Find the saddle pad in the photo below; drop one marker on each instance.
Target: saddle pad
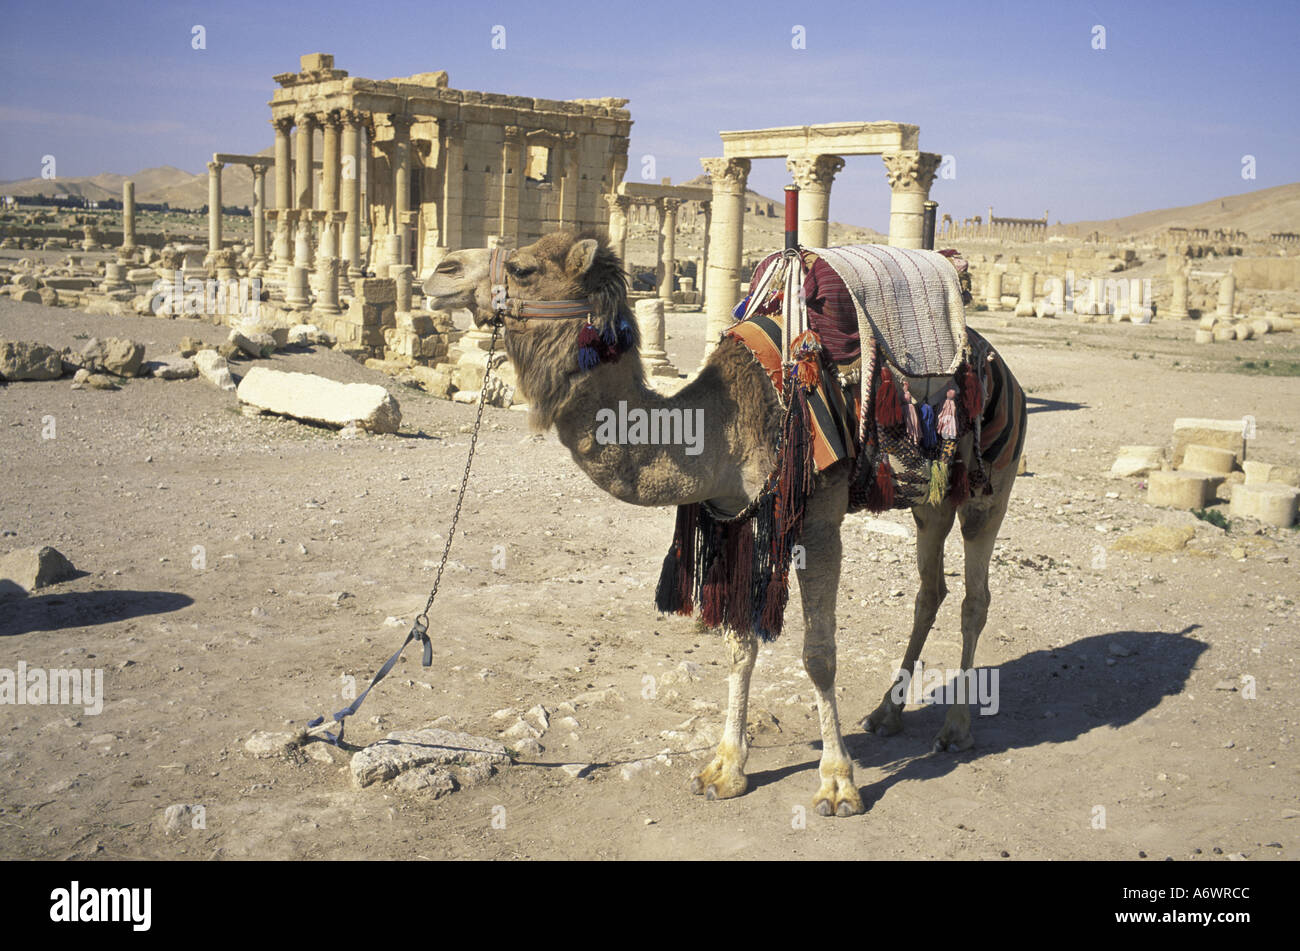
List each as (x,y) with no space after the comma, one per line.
(909,300)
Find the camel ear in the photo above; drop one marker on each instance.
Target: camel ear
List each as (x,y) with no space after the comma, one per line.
(581,256)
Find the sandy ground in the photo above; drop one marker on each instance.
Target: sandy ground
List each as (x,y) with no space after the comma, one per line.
(1114,668)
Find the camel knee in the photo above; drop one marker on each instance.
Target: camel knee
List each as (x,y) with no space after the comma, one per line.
(820,666)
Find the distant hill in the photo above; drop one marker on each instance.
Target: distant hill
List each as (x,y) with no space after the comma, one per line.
(175,186)
(1258,213)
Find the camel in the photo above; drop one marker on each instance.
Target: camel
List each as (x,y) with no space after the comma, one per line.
(741,417)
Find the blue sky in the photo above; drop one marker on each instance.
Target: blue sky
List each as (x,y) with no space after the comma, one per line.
(1034,117)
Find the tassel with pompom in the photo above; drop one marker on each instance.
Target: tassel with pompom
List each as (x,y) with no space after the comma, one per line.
(948,417)
(913,422)
(589,348)
(938,482)
(928,436)
(889,408)
(675,593)
(958,483)
(739,311)
(884,485)
(740,553)
(972,402)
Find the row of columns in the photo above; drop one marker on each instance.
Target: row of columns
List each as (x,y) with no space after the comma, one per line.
(667,210)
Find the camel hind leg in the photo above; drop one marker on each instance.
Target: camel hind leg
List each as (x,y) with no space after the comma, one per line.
(933,522)
(979,531)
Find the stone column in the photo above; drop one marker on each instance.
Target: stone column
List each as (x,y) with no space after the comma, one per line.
(1178,302)
(401,183)
(128,218)
(453,183)
(331,124)
(569,181)
(667,247)
(283,241)
(259,215)
(703,270)
(992,288)
(302,239)
(618,209)
(1227,295)
(910,176)
(512,176)
(727,239)
(1025,305)
(214,206)
(814,175)
(350,191)
(302,172)
(650,321)
(327,287)
(401,275)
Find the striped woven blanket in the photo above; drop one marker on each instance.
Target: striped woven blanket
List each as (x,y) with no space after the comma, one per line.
(909,300)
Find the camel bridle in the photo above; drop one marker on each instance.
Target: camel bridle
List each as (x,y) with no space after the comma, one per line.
(505,306)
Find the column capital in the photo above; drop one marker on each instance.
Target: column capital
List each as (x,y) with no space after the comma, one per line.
(401,123)
(352,117)
(331,119)
(729,175)
(215,167)
(671,205)
(814,171)
(283,124)
(259,168)
(305,121)
(617,202)
(911,170)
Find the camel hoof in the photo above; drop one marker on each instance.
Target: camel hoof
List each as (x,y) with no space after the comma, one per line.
(697,786)
(883,721)
(823,808)
(952,744)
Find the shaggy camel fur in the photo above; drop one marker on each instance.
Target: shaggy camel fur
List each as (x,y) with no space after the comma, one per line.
(742,417)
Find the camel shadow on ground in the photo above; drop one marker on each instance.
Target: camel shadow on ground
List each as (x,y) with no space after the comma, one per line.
(1053,695)
(1036,404)
(56,611)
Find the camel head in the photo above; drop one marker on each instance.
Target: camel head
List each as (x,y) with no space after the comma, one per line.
(556,267)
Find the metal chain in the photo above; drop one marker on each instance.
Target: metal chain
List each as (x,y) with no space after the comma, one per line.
(464,480)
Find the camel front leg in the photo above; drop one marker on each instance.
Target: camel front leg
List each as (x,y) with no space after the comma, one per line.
(819,581)
(724,777)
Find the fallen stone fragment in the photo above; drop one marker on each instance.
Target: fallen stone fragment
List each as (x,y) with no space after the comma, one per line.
(315,399)
(28,569)
(116,355)
(1222,433)
(1155,539)
(263,745)
(1267,502)
(213,367)
(406,750)
(256,345)
(1135,461)
(1184,489)
(171,367)
(29,361)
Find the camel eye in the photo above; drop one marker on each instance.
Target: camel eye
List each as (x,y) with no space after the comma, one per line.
(518,271)
(447,267)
